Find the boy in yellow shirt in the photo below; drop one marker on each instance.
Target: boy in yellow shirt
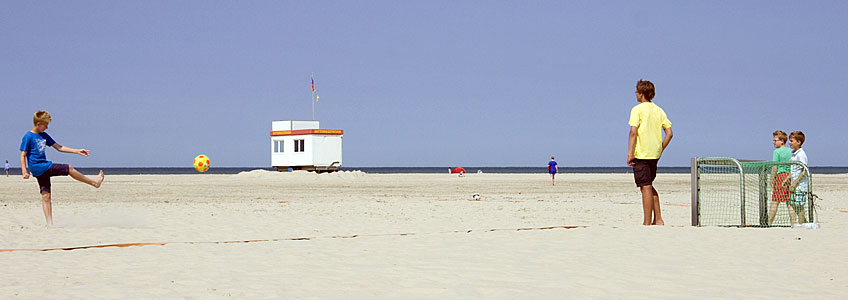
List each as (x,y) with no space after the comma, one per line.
(645,145)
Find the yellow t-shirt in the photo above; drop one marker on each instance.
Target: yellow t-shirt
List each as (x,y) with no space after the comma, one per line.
(650,120)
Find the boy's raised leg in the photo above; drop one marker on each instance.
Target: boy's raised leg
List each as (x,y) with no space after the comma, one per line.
(99,180)
(82,178)
(47,206)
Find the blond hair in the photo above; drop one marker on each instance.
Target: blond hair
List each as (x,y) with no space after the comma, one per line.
(41,117)
(780,134)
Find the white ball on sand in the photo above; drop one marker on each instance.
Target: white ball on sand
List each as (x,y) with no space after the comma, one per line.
(476,196)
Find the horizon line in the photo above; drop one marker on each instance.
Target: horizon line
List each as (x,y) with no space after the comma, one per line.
(268,167)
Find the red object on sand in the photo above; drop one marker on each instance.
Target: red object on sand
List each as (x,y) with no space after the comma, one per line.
(457,170)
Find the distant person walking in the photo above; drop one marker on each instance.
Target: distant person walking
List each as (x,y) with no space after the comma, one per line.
(7,167)
(645,145)
(552,169)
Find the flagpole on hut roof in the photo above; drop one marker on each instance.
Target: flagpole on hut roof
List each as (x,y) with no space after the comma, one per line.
(312,78)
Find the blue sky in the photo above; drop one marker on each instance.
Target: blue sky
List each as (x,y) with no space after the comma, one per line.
(422,83)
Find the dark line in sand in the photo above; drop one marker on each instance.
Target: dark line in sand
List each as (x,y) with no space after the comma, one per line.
(124,245)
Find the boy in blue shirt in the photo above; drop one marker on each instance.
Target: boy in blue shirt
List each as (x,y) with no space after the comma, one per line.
(552,169)
(34,159)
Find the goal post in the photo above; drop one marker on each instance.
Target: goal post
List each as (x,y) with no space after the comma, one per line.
(730,192)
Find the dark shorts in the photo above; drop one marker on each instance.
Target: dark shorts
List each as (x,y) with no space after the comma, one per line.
(645,171)
(55,170)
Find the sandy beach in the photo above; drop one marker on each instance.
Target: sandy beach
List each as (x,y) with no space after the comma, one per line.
(352,235)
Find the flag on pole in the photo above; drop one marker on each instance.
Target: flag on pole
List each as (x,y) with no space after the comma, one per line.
(313,84)
(316,98)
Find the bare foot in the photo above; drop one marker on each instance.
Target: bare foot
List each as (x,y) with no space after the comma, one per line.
(99,179)
(660,223)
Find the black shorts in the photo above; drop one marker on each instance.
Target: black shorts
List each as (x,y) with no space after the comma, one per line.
(55,170)
(645,171)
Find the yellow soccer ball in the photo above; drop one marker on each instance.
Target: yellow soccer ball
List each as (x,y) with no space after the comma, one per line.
(202,163)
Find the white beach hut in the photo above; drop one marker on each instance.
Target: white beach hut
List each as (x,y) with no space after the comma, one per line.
(302,145)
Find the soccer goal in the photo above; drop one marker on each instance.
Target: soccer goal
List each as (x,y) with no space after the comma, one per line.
(730,192)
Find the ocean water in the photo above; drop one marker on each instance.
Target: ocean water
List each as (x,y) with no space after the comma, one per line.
(396,170)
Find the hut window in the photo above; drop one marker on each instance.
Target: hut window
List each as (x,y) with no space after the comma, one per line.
(299,146)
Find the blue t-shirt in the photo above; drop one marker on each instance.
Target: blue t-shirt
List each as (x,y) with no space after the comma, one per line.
(552,167)
(35,145)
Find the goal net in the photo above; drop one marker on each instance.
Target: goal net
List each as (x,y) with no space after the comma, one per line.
(730,192)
